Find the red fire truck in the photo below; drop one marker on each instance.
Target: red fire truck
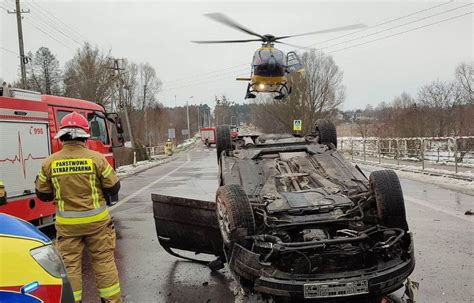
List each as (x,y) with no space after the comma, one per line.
(208,135)
(28,123)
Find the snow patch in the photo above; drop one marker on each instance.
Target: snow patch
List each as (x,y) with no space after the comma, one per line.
(126,170)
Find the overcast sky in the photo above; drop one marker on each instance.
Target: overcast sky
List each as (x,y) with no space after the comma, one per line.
(160,33)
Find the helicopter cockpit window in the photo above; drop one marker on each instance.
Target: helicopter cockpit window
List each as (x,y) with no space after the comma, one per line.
(263,56)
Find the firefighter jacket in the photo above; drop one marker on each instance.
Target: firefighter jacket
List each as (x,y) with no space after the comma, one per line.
(78,180)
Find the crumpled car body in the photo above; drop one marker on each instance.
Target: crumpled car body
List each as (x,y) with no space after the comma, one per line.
(293,218)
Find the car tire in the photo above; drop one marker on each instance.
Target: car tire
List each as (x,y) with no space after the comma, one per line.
(326,131)
(388,193)
(223,140)
(234,214)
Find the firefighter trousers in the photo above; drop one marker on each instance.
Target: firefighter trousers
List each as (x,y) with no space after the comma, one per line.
(101,246)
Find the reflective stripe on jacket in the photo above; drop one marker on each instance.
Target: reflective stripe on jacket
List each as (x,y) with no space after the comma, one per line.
(76,176)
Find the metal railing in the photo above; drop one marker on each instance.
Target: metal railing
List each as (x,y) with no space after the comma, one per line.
(454,152)
(152,151)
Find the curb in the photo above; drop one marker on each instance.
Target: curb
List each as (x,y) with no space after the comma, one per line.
(417,171)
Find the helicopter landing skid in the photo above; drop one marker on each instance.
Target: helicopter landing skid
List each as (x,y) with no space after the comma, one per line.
(250,93)
(282,92)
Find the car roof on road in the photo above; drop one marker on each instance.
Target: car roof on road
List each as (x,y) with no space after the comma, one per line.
(13,227)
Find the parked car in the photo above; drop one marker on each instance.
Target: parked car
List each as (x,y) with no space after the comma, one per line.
(32,271)
(294,219)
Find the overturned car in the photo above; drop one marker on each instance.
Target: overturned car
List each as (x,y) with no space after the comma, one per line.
(293,218)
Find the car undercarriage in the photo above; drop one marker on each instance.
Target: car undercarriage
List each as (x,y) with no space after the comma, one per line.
(292,218)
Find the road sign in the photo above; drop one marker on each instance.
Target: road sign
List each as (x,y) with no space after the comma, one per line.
(297,124)
(171,133)
(184,132)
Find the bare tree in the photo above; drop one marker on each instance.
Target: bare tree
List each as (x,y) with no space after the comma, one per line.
(88,76)
(465,78)
(443,98)
(130,83)
(224,110)
(149,84)
(403,101)
(323,88)
(44,73)
(363,126)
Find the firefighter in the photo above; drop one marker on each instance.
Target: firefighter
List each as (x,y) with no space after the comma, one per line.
(79,180)
(3,193)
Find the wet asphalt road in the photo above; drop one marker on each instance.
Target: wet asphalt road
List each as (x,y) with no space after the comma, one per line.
(444,239)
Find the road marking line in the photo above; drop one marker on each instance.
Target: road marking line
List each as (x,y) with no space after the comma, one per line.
(440,209)
(131,196)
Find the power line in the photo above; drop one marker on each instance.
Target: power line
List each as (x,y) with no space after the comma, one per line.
(68,27)
(400,33)
(211,77)
(398,26)
(44,31)
(46,18)
(49,30)
(205,73)
(53,27)
(206,80)
(40,22)
(9,51)
(382,23)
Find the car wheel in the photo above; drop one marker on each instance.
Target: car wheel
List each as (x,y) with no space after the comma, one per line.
(234,214)
(387,190)
(223,140)
(326,131)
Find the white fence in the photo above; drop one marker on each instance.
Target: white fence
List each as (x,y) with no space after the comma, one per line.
(454,152)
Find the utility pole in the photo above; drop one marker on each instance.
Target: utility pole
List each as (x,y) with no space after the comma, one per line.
(23,58)
(199,121)
(187,115)
(145,116)
(118,70)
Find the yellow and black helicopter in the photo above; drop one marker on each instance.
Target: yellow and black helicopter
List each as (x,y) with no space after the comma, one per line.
(270,66)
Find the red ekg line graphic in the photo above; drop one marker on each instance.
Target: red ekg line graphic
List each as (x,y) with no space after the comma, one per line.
(20,158)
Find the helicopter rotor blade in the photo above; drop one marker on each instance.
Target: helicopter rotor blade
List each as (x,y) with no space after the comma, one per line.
(219,17)
(226,41)
(294,45)
(329,30)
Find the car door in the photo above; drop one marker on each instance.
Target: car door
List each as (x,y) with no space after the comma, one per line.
(187,224)
(100,137)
